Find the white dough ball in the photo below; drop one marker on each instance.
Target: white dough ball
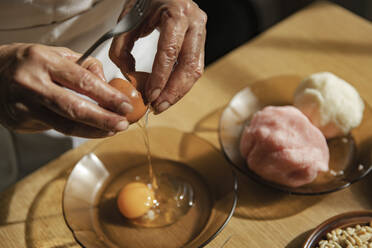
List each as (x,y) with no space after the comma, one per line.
(331,104)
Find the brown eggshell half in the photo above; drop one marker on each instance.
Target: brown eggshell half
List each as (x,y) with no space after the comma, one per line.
(128,88)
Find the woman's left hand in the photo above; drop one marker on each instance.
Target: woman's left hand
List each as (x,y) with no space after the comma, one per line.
(179,60)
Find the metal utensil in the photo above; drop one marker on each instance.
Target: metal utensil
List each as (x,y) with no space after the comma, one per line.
(128,23)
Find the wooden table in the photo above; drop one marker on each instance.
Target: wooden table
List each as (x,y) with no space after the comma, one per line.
(322,37)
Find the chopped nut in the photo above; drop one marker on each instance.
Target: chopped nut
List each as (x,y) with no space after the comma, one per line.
(350,237)
(365,237)
(350,230)
(351,240)
(337,245)
(349,246)
(357,240)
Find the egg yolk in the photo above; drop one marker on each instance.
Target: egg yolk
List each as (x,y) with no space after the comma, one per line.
(135,199)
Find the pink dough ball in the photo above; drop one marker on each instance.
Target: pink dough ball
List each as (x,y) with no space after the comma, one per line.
(281,145)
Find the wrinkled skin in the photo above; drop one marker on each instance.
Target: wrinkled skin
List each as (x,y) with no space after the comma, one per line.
(33,94)
(37,82)
(179,61)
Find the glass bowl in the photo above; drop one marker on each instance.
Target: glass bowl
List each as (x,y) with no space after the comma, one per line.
(89,200)
(351,154)
(348,219)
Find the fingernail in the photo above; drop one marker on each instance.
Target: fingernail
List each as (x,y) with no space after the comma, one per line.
(125,108)
(162,106)
(154,94)
(121,126)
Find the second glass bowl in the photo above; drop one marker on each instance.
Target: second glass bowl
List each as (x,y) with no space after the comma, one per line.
(352,155)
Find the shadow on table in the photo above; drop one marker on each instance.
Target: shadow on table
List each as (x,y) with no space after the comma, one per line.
(209,123)
(299,240)
(259,202)
(6,198)
(362,189)
(39,145)
(45,225)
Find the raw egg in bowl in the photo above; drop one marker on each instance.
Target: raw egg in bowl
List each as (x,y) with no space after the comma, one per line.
(116,172)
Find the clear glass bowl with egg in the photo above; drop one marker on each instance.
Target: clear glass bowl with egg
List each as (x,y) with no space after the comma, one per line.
(90,194)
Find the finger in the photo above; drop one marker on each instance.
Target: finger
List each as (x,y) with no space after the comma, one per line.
(91,64)
(67,126)
(38,118)
(172,31)
(74,77)
(122,45)
(188,70)
(77,109)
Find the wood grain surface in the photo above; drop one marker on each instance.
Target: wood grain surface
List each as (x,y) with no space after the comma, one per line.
(322,37)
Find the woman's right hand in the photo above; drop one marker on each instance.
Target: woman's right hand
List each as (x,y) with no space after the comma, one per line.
(37,92)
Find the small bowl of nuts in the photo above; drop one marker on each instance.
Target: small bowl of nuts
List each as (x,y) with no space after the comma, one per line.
(347,230)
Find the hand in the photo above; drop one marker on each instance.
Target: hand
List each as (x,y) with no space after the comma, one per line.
(179,61)
(37,85)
